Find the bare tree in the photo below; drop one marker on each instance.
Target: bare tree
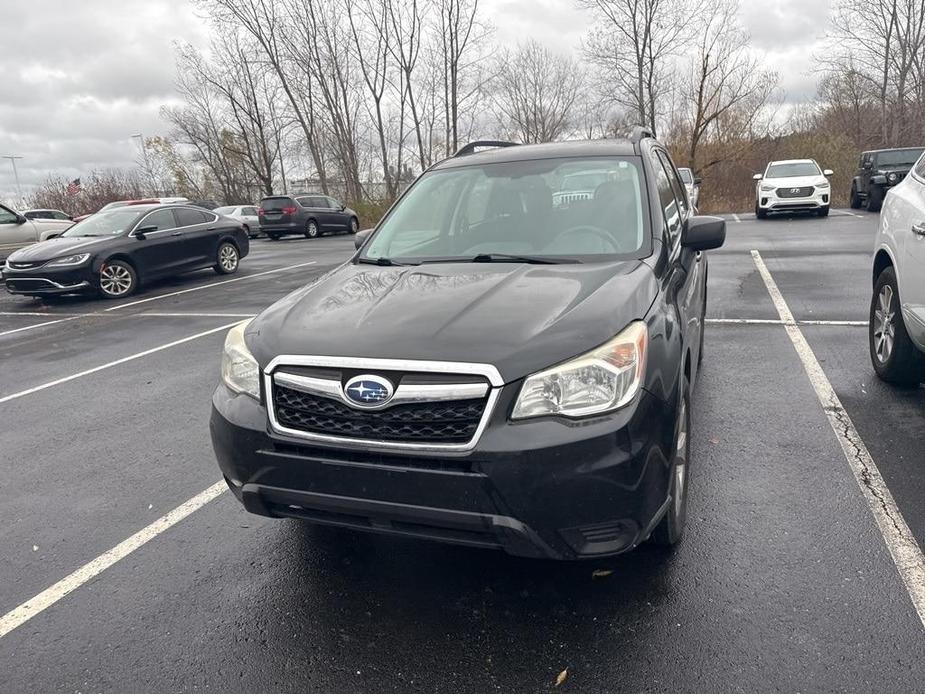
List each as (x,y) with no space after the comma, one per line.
(723,78)
(633,48)
(536,91)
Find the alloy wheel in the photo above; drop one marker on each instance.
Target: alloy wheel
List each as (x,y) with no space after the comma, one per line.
(884,325)
(115,280)
(228,258)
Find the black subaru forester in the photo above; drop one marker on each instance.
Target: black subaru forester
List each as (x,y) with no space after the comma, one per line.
(506,362)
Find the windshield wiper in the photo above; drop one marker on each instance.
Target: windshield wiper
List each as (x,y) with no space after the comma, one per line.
(386,262)
(532,259)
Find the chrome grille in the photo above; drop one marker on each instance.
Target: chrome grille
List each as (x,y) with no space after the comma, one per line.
(803,192)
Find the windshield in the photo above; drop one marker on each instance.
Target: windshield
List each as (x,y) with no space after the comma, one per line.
(804,168)
(519,208)
(687,176)
(224,210)
(899,157)
(111,223)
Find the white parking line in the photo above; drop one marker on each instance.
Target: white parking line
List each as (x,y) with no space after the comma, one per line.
(737,218)
(68,584)
(123,360)
(777,321)
(37,325)
(905,551)
(211,284)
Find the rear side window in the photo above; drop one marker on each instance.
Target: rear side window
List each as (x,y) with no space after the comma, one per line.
(252,211)
(920,167)
(160,220)
(276,204)
(187,217)
(313,201)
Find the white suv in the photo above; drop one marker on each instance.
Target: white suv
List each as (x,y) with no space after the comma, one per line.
(897,310)
(795,185)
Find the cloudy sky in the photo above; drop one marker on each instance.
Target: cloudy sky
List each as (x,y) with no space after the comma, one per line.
(80,78)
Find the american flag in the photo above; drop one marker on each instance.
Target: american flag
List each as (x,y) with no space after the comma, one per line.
(73,187)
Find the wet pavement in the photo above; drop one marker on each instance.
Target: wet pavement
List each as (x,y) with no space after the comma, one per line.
(783,582)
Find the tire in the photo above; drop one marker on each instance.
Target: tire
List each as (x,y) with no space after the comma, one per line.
(823,211)
(354,226)
(670,529)
(273,237)
(892,352)
(311,229)
(117,280)
(227,258)
(875,199)
(759,213)
(855,202)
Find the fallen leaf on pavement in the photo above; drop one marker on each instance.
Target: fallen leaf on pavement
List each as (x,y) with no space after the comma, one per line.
(561,678)
(601,573)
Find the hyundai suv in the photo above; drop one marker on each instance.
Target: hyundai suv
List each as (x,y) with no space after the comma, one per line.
(794,185)
(488,369)
(897,309)
(308,215)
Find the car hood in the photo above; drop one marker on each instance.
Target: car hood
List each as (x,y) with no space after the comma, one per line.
(519,318)
(56,248)
(795,181)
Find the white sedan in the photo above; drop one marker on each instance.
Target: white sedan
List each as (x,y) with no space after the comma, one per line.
(246,214)
(795,185)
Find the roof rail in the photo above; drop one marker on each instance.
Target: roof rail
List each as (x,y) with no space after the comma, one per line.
(470,148)
(639,133)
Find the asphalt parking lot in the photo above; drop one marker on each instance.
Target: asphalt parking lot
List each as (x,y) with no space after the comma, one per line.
(153,579)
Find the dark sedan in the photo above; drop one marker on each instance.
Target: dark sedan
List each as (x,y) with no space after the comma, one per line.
(115,251)
(489,369)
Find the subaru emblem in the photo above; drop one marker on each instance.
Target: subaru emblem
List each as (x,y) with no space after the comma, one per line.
(368,391)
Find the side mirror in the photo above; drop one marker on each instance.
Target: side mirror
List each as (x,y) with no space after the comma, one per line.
(361,237)
(141,231)
(21,218)
(868,165)
(828,172)
(757,177)
(704,233)
(698,181)
(343,207)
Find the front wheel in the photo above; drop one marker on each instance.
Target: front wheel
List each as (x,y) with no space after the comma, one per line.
(875,199)
(311,229)
(759,213)
(354,225)
(671,528)
(823,211)
(117,279)
(855,198)
(226,259)
(892,352)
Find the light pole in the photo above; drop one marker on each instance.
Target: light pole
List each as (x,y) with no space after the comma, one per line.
(13,158)
(144,154)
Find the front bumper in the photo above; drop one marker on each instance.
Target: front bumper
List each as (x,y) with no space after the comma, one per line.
(540,488)
(769,201)
(45,280)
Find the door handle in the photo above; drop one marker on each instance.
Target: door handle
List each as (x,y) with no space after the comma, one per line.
(918,229)
(211,228)
(177,233)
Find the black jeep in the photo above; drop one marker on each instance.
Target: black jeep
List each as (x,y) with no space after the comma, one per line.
(878,171)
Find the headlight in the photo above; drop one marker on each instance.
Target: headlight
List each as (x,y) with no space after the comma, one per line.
(767,188)
(604,379)
(892,177)
(823,185)
(240,371)
(71,260)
